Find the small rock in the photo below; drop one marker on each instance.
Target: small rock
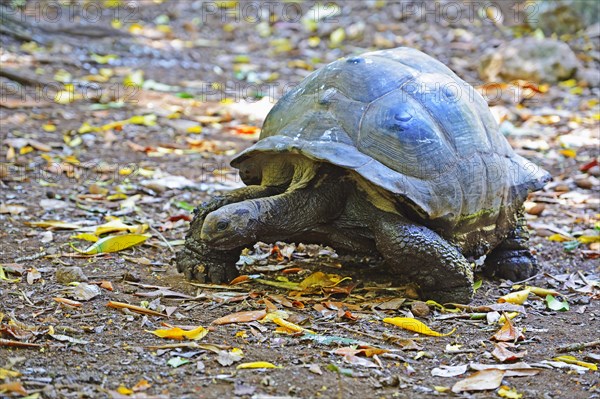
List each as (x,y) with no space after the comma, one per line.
(68,274)
(533,208)
(419,309)
(585,183)
(532,59)
(594,171)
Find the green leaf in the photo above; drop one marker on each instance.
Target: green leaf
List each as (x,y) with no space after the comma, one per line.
(555,304)
(340,370)
(477,285)
(185,206)
(177,361)
(183,94)
(570,246)
(113,243)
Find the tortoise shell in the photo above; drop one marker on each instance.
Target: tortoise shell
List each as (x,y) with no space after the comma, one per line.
(407,124)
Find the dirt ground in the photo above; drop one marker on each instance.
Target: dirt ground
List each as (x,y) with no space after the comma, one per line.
(208,72)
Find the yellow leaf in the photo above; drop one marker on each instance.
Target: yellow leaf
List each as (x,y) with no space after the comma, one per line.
(337,37)
(134,79)
(573,360)
(146,120)
(85,236)
(441,307)
(87,128)
(123,390)
(4,374)
(588,239)
(116,197)
(569,153)
(510,315)
(576,90)
(510,393)
(441,389)
(48,127)
(116,23)
(320,279)
(558,238)
(113,244)
(568,83)
(291,326)
(542,292)
(194,129)
(136,29)
(314,41)
(103,59)
(178,333)
(26,150)
(54,224)
(517,297)
(257,365)
(118,225)
(414,325)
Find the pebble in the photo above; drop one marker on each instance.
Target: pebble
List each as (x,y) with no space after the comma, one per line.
(68,274)
(419,309)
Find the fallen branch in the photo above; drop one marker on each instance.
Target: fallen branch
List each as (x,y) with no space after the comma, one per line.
(577,346)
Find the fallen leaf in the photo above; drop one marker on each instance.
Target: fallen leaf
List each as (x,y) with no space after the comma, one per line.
(14,386)
(508,333)
(516,298)
(257,365)
(449,371)
(113,244)
(574,360)
(480,381)
(503,354)
(290,327)
(241,317)
(519,369)
(177,361)
(414,325)
(68,302)
(510,393)
(555,304)
(178,333)
(54,225)
(227,358)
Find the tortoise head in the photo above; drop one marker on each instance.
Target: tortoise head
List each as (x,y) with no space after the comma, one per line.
(231,226)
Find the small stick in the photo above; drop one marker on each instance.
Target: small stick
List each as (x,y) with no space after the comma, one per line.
(577,346)
(18,344)
(133,308)
(30,257)
(161,237)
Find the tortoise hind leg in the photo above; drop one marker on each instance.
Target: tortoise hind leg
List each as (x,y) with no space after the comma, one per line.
(512,259)
(420,255)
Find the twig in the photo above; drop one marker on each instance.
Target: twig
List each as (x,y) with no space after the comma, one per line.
(355,331)
(30,257)
(577,346)
(583,278)
(18,344)
(162,238)
(527,279)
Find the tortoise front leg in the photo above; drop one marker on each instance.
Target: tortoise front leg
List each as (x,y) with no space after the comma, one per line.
(198,260)
(512,259)
(420,255)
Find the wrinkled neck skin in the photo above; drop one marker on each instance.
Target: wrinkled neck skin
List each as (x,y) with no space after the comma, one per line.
(278,217)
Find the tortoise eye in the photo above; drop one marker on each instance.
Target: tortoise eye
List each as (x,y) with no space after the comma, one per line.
(222,225)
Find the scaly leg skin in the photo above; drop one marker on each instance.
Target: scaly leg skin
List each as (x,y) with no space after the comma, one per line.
(512,259)
(201,262)
(421,256)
